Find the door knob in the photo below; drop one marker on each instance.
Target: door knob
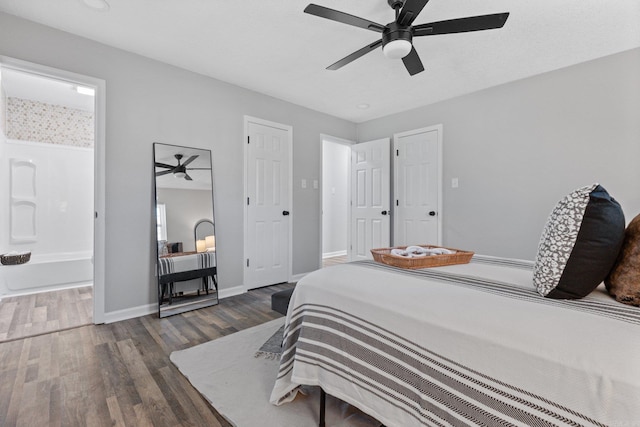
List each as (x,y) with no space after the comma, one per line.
(384,212)
(432,213)
(285,213)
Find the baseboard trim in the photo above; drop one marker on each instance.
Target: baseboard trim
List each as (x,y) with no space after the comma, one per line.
(230,292)
(130,313)
(333,254)
(144,310)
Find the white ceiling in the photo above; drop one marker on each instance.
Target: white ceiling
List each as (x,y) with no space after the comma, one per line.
(272,47)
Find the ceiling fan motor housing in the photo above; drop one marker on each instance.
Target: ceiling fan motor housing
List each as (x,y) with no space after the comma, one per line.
(396,32)
(396,40)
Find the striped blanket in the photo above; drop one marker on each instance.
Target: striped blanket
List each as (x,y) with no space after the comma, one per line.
(188,262)
(469,344)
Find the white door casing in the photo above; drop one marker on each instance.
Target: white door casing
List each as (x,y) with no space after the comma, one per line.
(99,227)
(268,203)
(418,187)
(370,198)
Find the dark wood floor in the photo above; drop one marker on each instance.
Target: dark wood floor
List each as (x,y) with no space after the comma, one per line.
(29,315)
(119,374)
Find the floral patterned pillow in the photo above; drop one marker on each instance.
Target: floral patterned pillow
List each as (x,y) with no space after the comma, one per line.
(579,244)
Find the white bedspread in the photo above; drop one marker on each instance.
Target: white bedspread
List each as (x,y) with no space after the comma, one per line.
(469,344)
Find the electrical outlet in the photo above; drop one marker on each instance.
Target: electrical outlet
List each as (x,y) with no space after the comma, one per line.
(454,182)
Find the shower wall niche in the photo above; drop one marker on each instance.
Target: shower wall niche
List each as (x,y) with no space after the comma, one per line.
(22,218)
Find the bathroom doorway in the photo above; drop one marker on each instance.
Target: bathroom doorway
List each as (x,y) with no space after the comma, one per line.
(336,196)
(48,203)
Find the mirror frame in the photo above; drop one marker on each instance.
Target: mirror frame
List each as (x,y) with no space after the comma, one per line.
(205,294)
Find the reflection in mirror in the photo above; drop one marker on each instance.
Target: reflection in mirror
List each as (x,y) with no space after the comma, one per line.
(187,268)
(204,236)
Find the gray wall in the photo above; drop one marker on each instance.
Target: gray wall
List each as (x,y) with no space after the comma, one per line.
(518,148)
(150,101)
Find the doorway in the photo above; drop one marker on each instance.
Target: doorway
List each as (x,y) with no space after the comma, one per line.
(336,197)
(52,132)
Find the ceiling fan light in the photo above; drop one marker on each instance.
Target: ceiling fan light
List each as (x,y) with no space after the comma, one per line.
(179,174)
(397,49)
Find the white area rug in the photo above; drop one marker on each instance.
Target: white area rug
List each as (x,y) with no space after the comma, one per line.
(238,384)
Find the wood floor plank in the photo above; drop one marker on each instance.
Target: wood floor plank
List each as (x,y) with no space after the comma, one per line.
(189,400)
(116,380)
(142,417)
(117,374)
(55,403)
(29,315)
(15,397)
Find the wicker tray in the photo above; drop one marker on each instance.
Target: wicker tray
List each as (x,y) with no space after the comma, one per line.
(384,256)
(15,259)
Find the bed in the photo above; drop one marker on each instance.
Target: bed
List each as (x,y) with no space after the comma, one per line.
(470,344)
(184,266)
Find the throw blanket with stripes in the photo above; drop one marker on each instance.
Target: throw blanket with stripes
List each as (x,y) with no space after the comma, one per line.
(469,344)
(189,262)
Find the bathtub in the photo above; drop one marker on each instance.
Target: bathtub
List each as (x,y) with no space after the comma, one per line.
(47,273)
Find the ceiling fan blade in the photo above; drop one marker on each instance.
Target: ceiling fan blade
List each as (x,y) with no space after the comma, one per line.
(462,25)
(187,177)
(410,11)
(189,160)
(355,55)
(199,169)
(412,62)
(163,173)
(164,165)
(345,18)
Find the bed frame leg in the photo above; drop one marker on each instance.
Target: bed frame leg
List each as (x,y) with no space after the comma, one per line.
(323,398)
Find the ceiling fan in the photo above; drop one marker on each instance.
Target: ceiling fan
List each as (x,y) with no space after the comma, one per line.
(397,35)
(179,170)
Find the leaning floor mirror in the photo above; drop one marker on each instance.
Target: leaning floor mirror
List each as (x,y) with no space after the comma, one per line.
(186,239)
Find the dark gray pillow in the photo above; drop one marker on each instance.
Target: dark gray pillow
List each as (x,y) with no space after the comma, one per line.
(579,244)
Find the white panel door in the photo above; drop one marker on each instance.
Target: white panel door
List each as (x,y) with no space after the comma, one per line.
(370,202)
(417,187)
(268,204)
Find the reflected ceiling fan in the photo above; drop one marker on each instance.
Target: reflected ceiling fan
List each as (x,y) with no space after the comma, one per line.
(396,40)
(179,170)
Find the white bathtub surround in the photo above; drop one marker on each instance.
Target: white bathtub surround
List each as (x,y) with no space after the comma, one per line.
(46,273)
(49,194)
(49,191)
